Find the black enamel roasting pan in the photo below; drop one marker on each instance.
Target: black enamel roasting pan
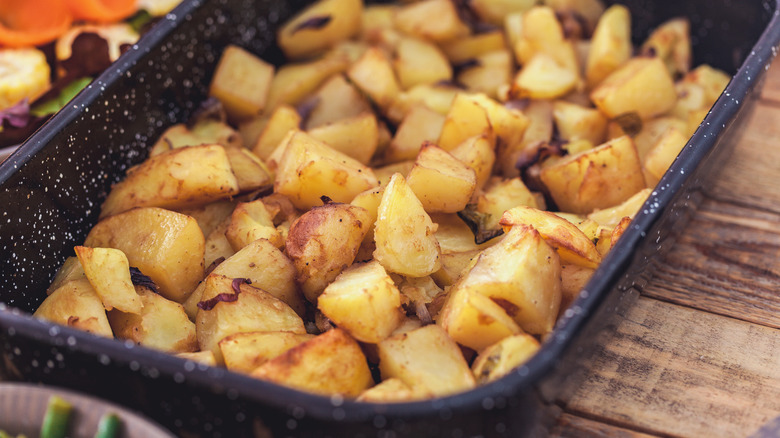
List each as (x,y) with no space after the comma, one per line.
(51,189)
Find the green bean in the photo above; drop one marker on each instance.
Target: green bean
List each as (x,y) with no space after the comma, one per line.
(109,426)
(55,422)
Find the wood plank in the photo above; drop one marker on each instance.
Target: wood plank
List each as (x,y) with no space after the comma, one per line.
(672,370)
(751,176)
(572,426)
(726,262)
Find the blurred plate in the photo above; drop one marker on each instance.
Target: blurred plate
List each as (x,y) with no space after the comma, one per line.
(23,406)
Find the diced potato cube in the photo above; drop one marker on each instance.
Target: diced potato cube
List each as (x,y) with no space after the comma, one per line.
(522,274)
(494,11)
(108,272)
(391,390)
(309,169)
(474,320)
(70,270)
(331,363)
(499,359)
(663,154)
(283,120)
(357,137)
(491,71)
(404,233)
(217,247)
(364,301)
(324,241)
(420,62)
(247,310)
(572,245)
(610,46)
(671,42)
(265,266)
(471,47)
(652,131)
(501,196)
(543,78)
(573,280)
(251,173)
(417,19)
(201,357)
(319,27)
(241,82)
(465,119)
(479,154)
(539,120)
(374,75)
(441,182)
(293,82)
(335,100)
(575,122)
(425,358)
(642,86)
(162,324)
(541,32)
(180,178)
(211,215)
(421,124)
(437,97)
(384,173)
(244,352)
(165,245)
(251,221)
(76,304)
(598,178)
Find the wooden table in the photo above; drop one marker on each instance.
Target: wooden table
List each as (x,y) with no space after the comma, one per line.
(698,354)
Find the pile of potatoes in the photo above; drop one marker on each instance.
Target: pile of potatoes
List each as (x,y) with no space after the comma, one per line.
(402,210)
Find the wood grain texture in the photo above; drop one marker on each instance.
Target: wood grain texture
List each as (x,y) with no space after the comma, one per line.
(676,371)
(699,353)
(572,426)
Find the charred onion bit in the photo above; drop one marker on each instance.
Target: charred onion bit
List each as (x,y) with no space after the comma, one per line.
(538,152)
(209,109)
(476,223)
(225,297)
(139,279)
(325,200)
(630,123)
(313,23)
(465,65)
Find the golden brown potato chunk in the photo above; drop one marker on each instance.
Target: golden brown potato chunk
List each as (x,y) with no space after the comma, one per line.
(426,359)
(76,304)
(165,245)
(324,241)
(364,301)
(162,324)
(331,363)
(404,233)
(108,271)
(180,178)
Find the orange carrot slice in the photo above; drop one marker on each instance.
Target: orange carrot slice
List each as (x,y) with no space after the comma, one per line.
(32,22)
(102,11)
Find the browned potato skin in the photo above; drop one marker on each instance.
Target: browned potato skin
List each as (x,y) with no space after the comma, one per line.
(76,304)
(176,179)
(324,241)
(253,310)
(331,363)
